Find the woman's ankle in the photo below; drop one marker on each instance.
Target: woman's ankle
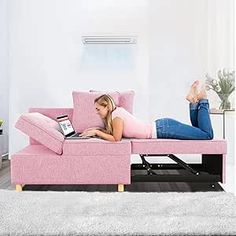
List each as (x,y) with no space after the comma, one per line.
(203,100)
(193,106)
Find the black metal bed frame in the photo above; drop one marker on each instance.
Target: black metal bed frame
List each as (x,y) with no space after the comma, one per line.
(209,171)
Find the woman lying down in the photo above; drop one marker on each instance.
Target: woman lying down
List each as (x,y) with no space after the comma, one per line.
(120,123)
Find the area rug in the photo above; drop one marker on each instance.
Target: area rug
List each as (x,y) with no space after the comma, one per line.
(114,213)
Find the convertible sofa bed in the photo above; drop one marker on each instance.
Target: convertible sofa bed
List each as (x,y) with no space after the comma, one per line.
(49,159)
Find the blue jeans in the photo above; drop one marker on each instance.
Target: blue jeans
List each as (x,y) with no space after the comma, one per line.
(201,128)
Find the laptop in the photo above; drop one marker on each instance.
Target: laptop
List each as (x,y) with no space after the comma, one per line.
(67,128)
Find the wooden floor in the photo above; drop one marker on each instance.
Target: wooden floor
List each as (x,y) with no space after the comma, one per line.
(5,183)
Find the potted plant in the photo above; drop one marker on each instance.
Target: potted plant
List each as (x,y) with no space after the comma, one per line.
(1,122)
(223,86)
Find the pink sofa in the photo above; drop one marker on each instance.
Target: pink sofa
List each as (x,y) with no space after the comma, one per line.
(96,161)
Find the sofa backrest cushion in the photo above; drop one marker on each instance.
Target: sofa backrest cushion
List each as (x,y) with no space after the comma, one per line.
(84,114)
(42,129)
(126,99)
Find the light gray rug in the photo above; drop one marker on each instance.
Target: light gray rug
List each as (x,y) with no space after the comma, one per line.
(99,213)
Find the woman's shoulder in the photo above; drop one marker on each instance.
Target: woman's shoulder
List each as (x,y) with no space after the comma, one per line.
(118,112)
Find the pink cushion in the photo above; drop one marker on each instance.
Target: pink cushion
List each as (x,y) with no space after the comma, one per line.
(42,129)
(96,147)
(84,114)
(168,146)
(126,99)
(51,113)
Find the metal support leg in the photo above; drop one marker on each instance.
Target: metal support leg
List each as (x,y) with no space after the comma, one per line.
(183,164)
(147,166)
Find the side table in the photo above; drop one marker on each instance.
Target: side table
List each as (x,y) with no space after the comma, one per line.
(223,113)
(223,123)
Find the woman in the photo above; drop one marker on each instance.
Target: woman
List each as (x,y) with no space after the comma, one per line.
(120,123)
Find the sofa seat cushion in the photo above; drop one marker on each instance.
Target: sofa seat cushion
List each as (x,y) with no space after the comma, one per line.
(36,150)
(95,147)
(174,146)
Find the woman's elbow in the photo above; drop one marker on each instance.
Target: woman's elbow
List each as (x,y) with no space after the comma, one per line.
(117,139)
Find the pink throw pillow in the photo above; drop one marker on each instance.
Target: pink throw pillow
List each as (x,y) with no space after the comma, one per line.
(84,114)
(126,99)
(42,129)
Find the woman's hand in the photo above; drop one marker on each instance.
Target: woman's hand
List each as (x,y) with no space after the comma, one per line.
(97,128)
(117,124)
(89,132)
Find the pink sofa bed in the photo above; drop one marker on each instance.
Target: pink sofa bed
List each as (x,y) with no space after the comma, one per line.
(50,159)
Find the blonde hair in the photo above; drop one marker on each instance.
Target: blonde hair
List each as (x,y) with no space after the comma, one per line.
(106,100)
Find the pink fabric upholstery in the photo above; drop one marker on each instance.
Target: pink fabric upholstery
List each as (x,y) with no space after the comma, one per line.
(36,164)
(84,114)
(42,129)
(168,146)
(126,99)
(95,147)
(51,113)
(96,161)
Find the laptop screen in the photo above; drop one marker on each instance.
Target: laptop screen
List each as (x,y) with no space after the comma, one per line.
(65,125)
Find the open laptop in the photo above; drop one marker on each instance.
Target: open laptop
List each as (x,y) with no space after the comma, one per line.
(67,128)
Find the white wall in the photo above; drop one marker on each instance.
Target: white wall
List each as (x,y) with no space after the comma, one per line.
(220,40)
(178,54)
(48,60)
(4,85)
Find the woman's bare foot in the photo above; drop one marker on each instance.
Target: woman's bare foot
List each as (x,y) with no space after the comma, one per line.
(202,94)
(192,96)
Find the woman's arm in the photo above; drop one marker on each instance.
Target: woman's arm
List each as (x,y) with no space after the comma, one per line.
(105,136)
(117,125)
(97,127)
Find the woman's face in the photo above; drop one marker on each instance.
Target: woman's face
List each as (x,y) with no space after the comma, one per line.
(101,110)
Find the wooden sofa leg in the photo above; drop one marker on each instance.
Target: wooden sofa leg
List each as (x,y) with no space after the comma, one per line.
(120,187)
(18,188)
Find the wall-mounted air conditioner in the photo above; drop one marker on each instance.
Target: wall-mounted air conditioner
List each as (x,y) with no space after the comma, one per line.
(109,39)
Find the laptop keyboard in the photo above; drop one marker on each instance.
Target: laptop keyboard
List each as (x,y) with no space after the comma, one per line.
(76,135)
